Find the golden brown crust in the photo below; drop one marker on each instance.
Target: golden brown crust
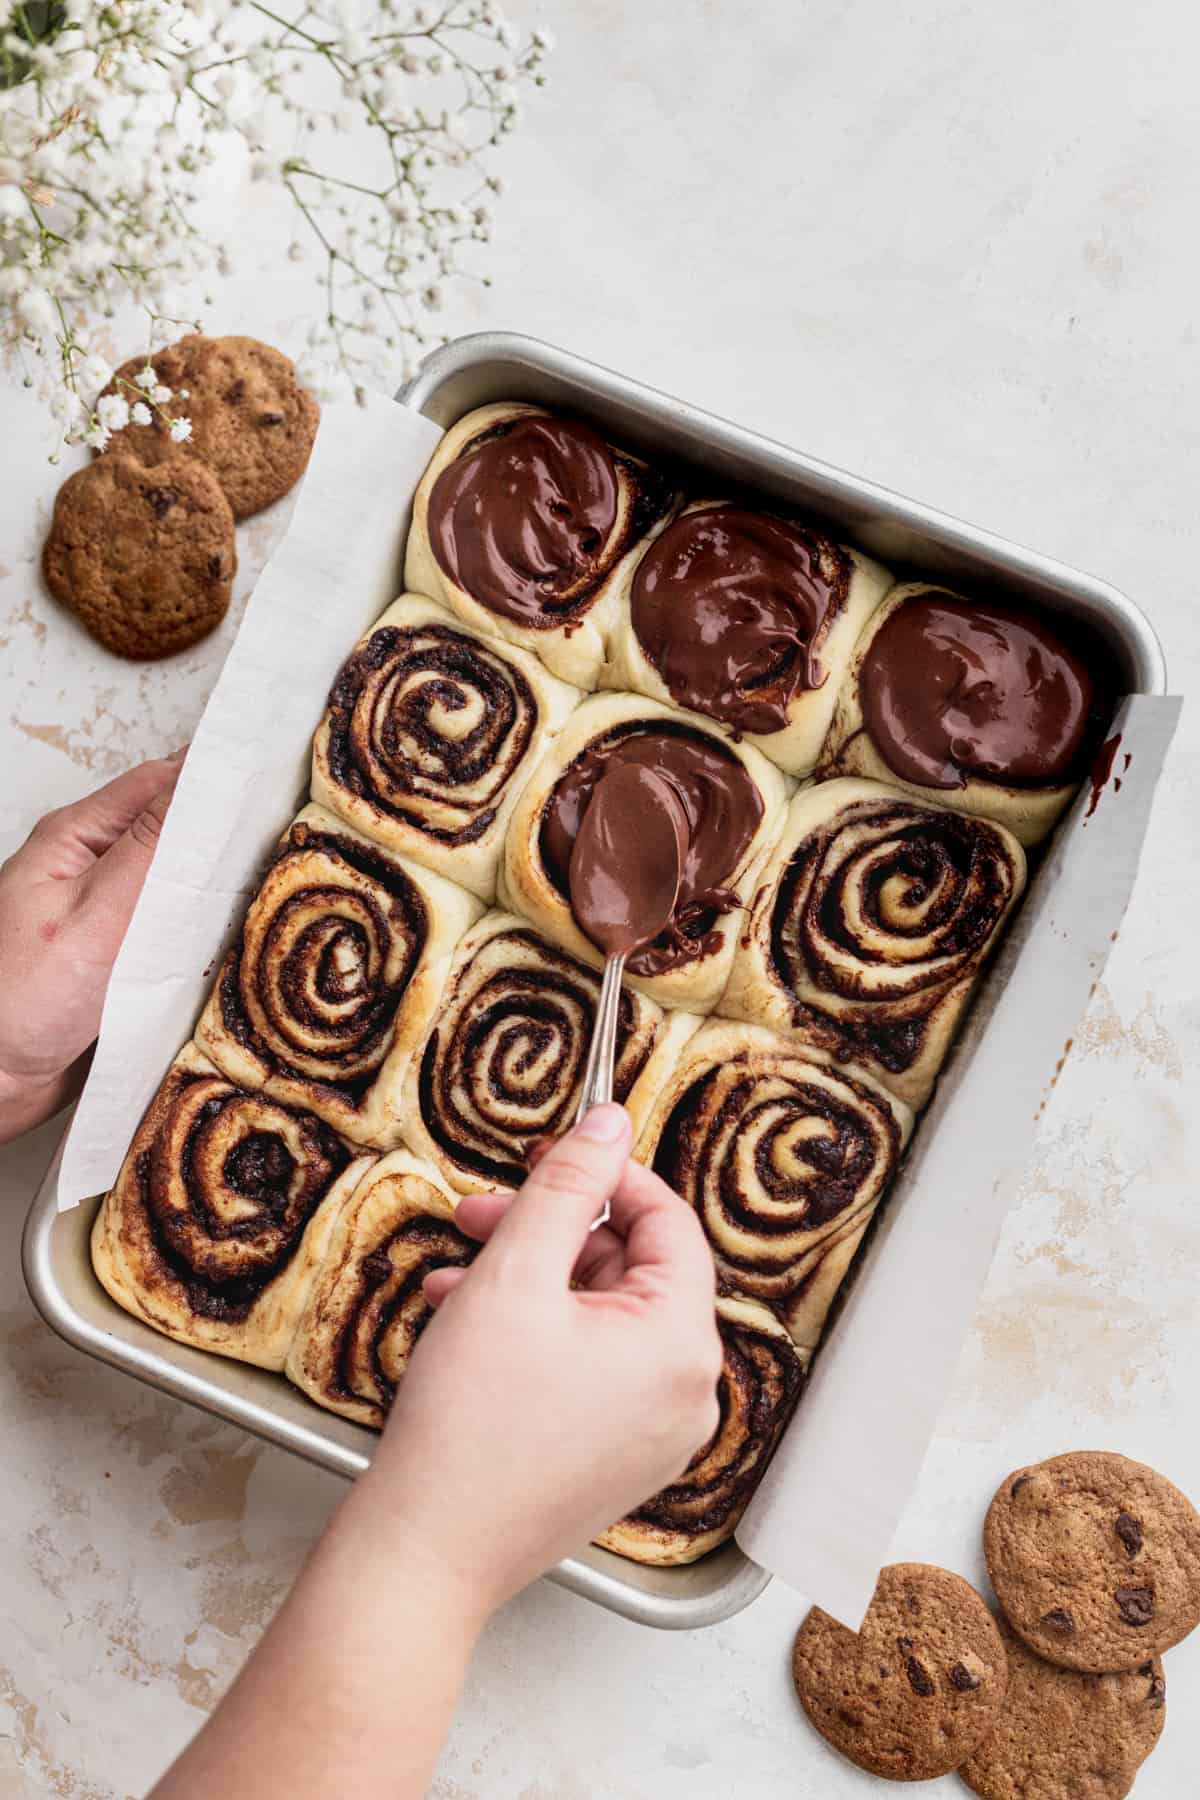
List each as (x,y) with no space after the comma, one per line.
(366,1310)
(335,975)
(784,1156)
(217,1221)
(918,1688)
(143,556)
(252,423)
(1095,1560)
(1062,1735)
(761,1376)
(872,920)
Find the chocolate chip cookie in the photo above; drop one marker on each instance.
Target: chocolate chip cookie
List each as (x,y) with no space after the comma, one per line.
(144,556)
(1095,1560)
(252,422)
(1062,1735)
(921,1685)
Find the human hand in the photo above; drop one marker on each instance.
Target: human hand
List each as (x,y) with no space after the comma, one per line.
(66,898)
(567,1375)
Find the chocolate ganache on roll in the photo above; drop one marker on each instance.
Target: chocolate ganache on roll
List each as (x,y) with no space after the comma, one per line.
(731,606)
(722,806)
(523,519)
(953,692)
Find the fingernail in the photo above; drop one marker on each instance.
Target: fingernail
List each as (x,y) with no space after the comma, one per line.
(177,755)
(604,1124)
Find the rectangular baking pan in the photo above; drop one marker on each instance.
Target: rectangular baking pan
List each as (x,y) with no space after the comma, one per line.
(906,535)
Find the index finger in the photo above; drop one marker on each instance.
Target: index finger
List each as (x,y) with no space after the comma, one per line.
(665,1245)
(548,1221)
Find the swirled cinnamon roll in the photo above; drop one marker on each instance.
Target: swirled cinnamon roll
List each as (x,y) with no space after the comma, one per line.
(526,525)
(334,977)
(784,1156)
(733,799)
(220,1214)
(982,707)
(760,1382)
(366,1310)
(872,921)
(429,733)
(504,1059)
(749,618)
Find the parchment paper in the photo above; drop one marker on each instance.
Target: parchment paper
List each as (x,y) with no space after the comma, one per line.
(336,568)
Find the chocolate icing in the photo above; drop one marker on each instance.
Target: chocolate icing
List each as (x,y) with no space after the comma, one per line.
(628,857)
(523,519)
(723,808)
(729,605)
(953,692)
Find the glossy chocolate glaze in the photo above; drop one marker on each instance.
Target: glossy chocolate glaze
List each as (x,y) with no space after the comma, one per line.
(723,807)
(629,855)
(952,692)
(730,606)
(523,518)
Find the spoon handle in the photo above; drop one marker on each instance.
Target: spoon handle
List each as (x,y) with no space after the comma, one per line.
(598,1070)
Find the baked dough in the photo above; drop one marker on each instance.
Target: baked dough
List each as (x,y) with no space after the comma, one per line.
(431,730)
(335,975)
(220,1215)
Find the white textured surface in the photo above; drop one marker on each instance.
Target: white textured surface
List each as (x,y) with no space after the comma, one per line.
(952,246)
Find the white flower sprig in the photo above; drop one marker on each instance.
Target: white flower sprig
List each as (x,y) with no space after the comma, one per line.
(113,115)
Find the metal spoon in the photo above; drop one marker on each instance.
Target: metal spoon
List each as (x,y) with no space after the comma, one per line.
(625,871)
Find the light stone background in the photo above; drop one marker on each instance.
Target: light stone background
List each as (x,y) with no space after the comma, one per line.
(953,246)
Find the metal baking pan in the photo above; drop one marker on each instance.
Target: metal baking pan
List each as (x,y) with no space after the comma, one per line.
(904,534)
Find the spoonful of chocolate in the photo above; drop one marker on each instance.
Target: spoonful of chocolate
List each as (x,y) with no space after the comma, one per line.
(624,878)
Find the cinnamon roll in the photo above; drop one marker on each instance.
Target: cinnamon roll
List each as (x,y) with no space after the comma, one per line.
(366,1309)
(429,733)
(872,921)
(220,1214)
(504,1059)
(749,618)
(733,798)
(760,1382)
(334,977)
(982,707)
(526,525)
(784,1156)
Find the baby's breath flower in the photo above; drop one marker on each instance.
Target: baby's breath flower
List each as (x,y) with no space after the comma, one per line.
(180,430)
(120,109)
(112,410)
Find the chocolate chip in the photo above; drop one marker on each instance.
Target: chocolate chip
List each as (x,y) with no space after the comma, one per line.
(1129,1530)
(1060,1620)
(904,1644)
(1135,1605)
(1018,1484)
(269,418)
(1157,1697)
(962,1678)
(161,499)
(235,392)
(918,1678)
(214,567)
(376,1267)
(849,1718)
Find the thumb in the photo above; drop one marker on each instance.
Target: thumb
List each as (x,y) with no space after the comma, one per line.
(548,1221)
(108,891)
